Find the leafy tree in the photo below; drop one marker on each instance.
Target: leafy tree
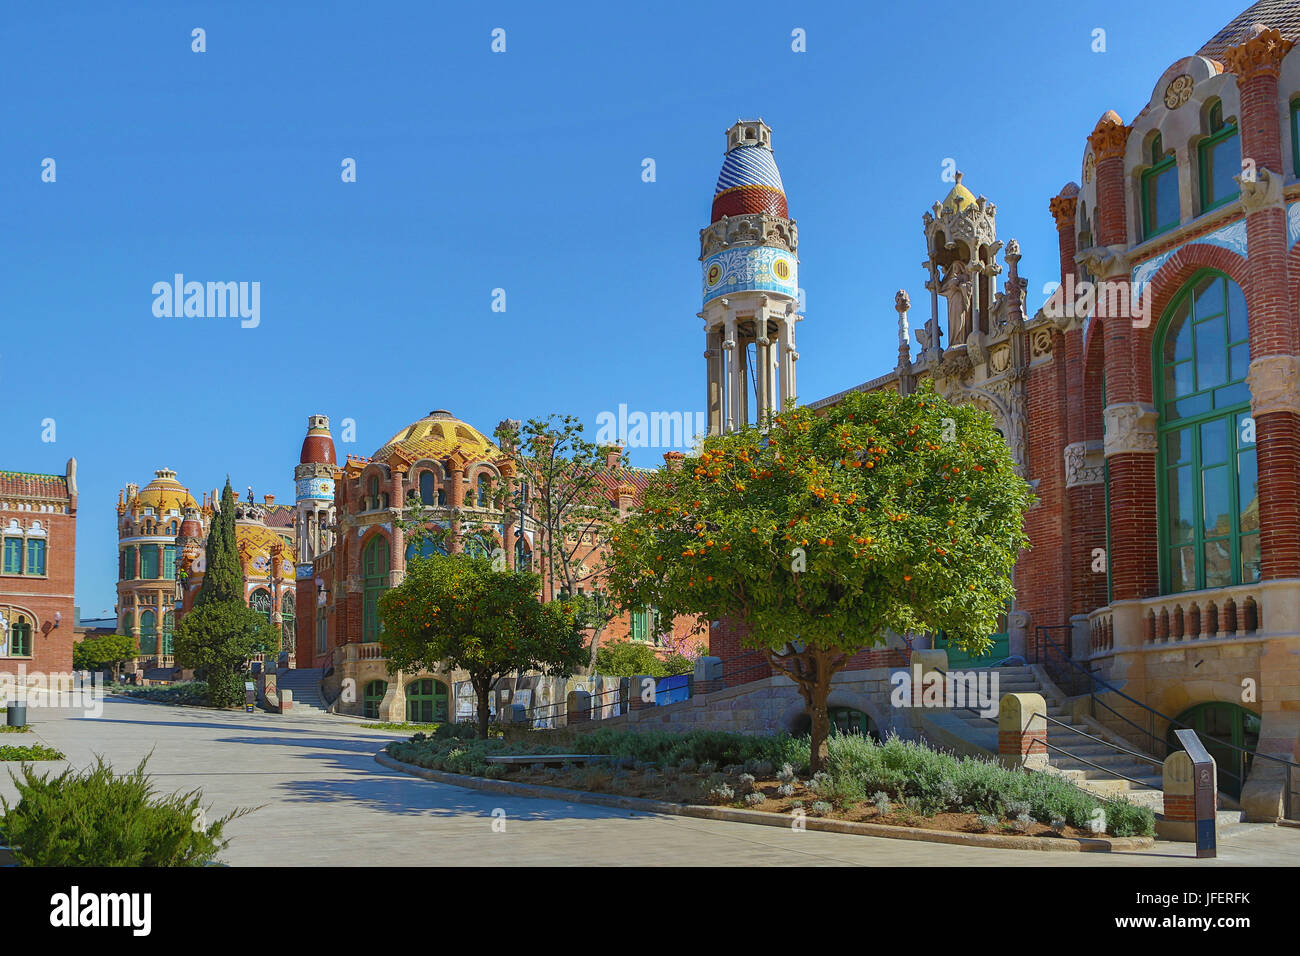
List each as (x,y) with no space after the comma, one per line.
(455,611)
(562,481)
(825,531)
(629,659)
(218,639)
(104,650)
(223,577)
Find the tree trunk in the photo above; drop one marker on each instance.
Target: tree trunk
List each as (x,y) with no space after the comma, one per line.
(482,691)
(595,646)
(814,680)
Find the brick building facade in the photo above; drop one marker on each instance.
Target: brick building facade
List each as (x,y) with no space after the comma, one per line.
(1153,403)
(38,540)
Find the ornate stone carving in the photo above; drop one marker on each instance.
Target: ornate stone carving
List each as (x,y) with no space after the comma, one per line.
(1109,137)
(1260,51)
(1000,359)
(1084,464)
(1261,192)
(749,230)
(1274,382)
(1040,343)
(1179,91)
(1062,208)
(1105,262)
(1130,429)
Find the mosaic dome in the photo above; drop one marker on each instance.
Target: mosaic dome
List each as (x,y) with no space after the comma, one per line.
(437,435)
(748,183)
(256,543)
(318,446)
(164,494)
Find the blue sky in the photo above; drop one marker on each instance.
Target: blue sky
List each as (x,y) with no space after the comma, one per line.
(478,171)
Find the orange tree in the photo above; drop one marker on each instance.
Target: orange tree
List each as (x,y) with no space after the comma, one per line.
(824,531)
(455,611)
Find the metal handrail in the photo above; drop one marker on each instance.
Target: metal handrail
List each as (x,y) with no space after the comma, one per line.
(1246,755)
(1100,740)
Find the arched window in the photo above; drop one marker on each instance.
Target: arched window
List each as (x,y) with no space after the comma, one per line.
(287,630)
(148,632)
(1159,191)
(128,563)
(128,621)
(426,487)
(484,491)
(260,601)
(20,637)
(1209,502)
(372,499)
(168,626)
(1220,159)
(426,701)
(374,563)
(13,556)
(35,556)
(428,546)
(371,697)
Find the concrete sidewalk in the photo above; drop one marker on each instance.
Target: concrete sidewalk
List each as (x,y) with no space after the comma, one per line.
(324,801)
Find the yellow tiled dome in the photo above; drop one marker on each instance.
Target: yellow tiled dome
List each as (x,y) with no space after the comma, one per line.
(164,494)
(256,543)
(959,198)
(437,435)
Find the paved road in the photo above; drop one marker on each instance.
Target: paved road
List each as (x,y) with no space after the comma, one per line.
(325,802)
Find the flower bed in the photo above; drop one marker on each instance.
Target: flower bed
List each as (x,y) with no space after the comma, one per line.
(897,782)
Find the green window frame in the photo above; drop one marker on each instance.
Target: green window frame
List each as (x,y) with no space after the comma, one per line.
(128,563)
(427,701)
(13,556)
(168,627)
(371,697)
(288,630)
(260,601)
(644,625)
(148,632)
(1295,135)
(1160,209)
(20,637)
(1219,161)
(1207,471)
(375,564)
(169,561)
(35,556)
(322,631)
(149,562)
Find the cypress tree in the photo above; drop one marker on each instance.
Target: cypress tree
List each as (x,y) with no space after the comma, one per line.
(223,580)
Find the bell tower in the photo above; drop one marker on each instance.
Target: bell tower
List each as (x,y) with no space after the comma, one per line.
(961,239)
(751,285)
(314,491)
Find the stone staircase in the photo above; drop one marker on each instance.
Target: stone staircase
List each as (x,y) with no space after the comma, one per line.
(304,683)
(1106,781)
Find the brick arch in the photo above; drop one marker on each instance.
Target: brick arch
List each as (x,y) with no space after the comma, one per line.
(1171,277)
(370,535)
(1169,280)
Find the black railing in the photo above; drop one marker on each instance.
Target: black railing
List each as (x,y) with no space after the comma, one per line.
(1242,758)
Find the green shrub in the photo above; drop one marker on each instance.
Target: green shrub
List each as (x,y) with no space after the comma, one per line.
(194,692)
(99,819)
(6,729)
(32,752)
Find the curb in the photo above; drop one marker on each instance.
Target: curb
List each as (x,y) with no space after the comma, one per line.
(731,815)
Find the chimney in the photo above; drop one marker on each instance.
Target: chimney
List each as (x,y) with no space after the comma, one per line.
(613,453)
(268,500)
(626,494)
(673,460)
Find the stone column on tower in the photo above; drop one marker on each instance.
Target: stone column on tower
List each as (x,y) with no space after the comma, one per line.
(751,289)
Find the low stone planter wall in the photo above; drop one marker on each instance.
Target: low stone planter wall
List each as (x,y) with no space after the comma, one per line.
(733,815)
